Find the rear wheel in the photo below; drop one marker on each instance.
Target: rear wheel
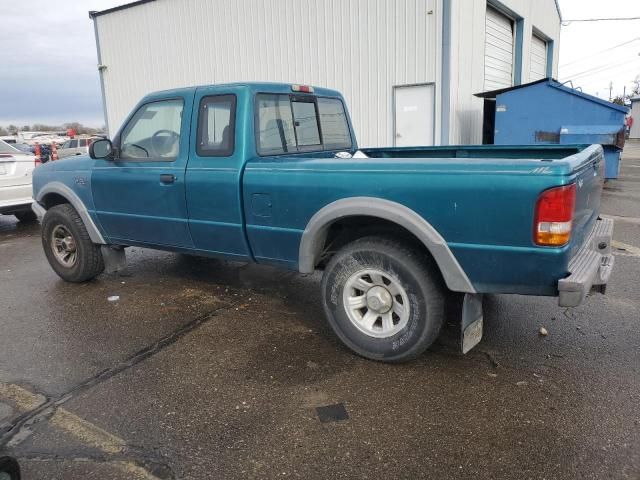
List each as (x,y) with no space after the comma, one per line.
(26,216)
(384,299)
(68,247)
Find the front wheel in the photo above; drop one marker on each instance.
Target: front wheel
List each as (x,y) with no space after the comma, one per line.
(384,299)
(68,247)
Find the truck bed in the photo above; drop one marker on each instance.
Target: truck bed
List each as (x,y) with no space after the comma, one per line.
(481,199)
(540,152)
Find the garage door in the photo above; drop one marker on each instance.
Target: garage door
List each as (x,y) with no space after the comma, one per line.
(538,61)
(498,51)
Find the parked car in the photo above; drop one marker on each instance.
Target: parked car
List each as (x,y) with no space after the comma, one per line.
(16,169)
(272,174)
(75,146)
(23,147)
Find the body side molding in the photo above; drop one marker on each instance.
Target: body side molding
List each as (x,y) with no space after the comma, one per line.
(316,230)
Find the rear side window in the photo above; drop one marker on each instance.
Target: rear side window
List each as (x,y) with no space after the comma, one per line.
(83,142)
(216,126)
(275,125)
(292,123)
(333,121)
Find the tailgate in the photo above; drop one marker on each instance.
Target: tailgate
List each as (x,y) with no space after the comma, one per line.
(588,173)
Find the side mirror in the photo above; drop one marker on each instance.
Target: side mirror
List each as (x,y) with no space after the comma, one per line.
(102,148)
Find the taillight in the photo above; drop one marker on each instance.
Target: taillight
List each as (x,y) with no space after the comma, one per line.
(302,88)
(554,216)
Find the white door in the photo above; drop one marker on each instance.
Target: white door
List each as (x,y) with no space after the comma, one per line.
(498,51)
(414,115)
(538,60)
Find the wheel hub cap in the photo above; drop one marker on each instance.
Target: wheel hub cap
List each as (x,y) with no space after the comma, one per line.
(379,299)
(64,246)
(376,303)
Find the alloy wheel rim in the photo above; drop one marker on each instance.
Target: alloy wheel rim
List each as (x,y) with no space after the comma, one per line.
(64,246)
(376,303)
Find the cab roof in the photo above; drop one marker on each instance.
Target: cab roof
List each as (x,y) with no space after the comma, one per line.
(251,87)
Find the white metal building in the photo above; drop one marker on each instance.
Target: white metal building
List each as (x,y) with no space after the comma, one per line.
(407,68)
(635,114)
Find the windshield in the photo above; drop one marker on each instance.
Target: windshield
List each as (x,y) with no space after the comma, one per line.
(6,148)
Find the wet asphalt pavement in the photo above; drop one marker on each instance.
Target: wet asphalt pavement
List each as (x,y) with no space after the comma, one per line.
(213,370)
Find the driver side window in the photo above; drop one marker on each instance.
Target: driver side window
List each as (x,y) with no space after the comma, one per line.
(153,132)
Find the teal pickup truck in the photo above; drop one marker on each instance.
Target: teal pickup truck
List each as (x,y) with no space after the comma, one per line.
(272,174)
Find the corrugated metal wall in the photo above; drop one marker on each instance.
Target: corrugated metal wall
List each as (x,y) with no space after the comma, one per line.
(360,47)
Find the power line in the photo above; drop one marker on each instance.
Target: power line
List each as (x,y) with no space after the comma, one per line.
(601,51)
(612,19)
(601,68)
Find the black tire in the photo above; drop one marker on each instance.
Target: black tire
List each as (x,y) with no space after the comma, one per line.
(416,273)
(89,262)
(9,466)
(26,216)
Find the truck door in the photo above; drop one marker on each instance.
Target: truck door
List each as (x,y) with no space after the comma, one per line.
(140,197)
(214,172)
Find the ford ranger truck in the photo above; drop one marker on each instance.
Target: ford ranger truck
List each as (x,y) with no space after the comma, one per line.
(272,174)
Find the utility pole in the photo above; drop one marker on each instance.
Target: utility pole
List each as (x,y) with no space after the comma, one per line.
(610,90)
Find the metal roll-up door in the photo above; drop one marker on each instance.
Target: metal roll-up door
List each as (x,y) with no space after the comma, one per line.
(538,61)
(498,51)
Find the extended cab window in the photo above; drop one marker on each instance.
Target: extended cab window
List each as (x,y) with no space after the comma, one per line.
(306,122)
(290,123)
(275,125)
(333,120)
(216,126)
(153,132)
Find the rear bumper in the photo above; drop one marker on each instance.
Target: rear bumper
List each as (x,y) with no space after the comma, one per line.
(590,268)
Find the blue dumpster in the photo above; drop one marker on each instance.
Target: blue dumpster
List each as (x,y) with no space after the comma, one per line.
(547,112)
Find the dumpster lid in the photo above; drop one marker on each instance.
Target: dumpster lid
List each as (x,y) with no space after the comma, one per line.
(555,84)
(495,93)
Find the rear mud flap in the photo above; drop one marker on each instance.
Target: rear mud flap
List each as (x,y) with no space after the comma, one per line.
(115,259)
(472,321)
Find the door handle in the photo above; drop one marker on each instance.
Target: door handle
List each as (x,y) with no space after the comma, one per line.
(167,178)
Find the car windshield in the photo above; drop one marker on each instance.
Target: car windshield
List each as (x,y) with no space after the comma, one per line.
(6,148)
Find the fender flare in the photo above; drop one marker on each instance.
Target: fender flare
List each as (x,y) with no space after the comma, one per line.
(63,190)
(315,234)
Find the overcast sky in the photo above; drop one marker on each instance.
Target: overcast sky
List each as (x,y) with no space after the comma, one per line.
(48,71)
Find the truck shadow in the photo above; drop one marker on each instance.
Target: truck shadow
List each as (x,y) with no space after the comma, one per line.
(9,226)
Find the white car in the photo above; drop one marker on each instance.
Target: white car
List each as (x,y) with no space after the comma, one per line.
(75,146)
(16,169)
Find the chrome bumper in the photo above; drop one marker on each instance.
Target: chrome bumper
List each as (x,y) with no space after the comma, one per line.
(590,268)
